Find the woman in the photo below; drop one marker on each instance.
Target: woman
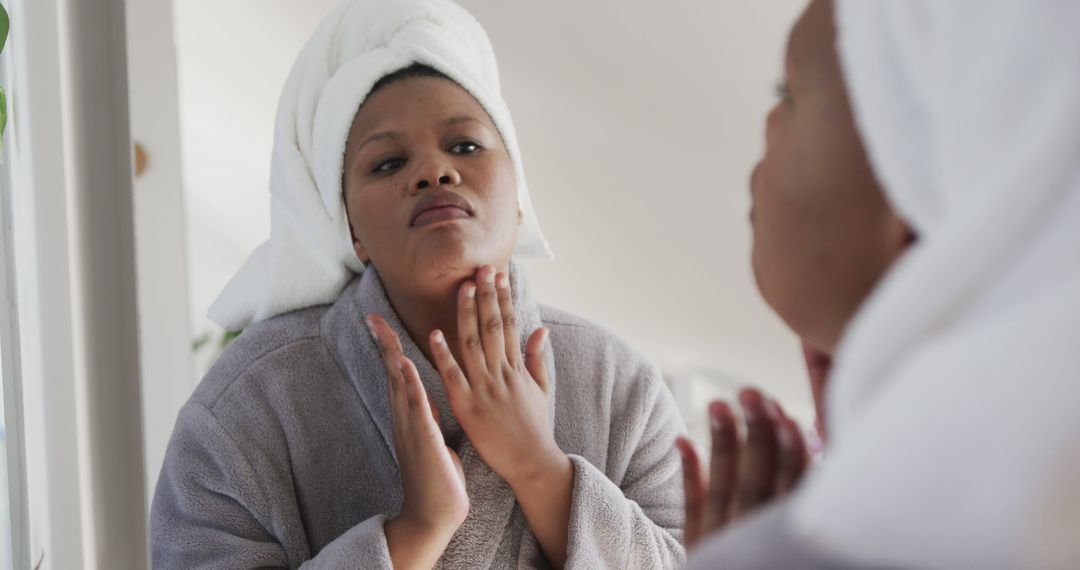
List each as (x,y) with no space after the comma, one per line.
(812,191)
(397,398)
(968,113)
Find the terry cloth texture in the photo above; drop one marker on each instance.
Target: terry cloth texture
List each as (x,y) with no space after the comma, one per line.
(284,456)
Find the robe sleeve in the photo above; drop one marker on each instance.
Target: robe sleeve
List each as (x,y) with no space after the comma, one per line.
(637,522)
(212,511)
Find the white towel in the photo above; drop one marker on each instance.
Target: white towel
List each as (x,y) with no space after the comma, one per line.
(309,257)
(954,399)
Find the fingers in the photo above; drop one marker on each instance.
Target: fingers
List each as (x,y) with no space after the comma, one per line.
(758,466)
(723,465)
(414,392)
(472,347)
(534,358)
(489,318)
(421,409)
(457,384)
(408,400)
(511,339)
(694,493)
(487,324)
(434,411)
(793,456)
(390,350)
(744,473)
(385,337)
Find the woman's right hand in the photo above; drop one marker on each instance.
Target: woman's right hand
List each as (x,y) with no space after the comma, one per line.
(436,502)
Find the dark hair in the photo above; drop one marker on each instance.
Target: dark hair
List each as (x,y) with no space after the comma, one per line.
(414,70)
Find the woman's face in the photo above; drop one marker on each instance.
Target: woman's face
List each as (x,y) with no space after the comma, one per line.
(824,233)
(429,187)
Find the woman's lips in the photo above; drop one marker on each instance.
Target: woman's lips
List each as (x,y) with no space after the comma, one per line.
(438,215)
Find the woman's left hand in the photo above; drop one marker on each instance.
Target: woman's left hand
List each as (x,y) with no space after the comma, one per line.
(499,397)
(743,474)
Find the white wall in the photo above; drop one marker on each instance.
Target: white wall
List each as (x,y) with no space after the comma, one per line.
(164,330)
(639,122)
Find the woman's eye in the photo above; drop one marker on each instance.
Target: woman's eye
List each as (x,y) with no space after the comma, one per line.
(466,147)
(388,165)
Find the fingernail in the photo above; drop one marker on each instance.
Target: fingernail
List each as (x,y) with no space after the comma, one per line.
(786,439)
(439,338)
(470,291)
(504,281)
(773,410)
(489,277)
(371,328)
(715,421)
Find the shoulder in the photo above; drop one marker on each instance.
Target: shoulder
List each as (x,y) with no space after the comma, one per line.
(266,358)
(278,376)
(585,352)
(580,336)
(613,402)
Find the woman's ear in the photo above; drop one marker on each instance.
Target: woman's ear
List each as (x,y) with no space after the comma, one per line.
(358,247)
(360,253)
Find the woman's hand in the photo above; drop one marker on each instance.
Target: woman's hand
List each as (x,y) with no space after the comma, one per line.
(743,474)
(501,401)
(436,502)
(499,397)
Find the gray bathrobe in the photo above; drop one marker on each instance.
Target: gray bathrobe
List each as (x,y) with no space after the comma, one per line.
(284,456)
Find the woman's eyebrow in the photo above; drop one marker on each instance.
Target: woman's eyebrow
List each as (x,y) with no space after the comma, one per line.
(381,135)
(457,120)
(392,135)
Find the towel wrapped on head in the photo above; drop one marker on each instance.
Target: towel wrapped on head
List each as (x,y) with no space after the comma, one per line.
(309,258)
(952,404)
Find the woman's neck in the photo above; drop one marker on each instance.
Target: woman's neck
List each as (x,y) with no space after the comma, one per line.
(423,312)
(422,315)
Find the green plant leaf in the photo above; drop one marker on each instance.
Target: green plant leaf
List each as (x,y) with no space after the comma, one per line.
(228,337)
(199,342)
(5,26)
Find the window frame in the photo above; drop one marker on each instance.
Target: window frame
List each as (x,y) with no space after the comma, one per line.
(73,262)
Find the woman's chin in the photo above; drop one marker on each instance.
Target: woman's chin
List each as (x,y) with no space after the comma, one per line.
(450,254)
(459,253)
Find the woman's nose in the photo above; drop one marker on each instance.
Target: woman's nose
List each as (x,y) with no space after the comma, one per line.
(437,174)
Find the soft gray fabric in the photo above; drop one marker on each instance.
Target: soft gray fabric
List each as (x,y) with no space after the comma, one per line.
(764,541)
(283,456)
